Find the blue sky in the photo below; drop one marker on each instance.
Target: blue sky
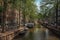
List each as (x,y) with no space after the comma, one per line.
(37,2)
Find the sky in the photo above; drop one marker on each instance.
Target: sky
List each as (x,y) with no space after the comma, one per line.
(37,2)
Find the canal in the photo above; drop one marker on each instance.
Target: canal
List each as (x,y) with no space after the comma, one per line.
(37,34)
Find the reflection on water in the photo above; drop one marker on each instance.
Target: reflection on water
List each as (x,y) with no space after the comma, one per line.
(38,34)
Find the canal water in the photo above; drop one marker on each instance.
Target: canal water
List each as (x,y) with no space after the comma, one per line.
(37,34)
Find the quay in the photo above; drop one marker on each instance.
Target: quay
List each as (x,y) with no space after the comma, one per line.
(9,35)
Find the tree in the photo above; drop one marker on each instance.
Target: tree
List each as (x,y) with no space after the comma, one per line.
(28,9)
(46,7)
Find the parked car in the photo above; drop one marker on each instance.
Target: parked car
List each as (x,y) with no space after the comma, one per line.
(29,25)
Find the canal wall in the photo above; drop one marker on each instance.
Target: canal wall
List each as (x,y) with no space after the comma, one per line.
(10,34)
